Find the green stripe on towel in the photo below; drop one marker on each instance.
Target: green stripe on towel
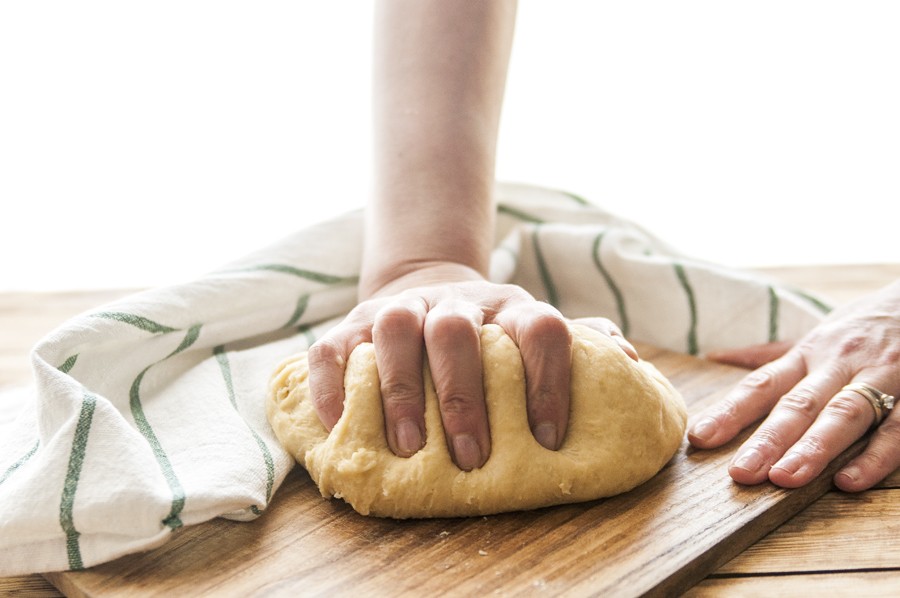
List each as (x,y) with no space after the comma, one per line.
(225,367)
(189,339)
(576,198)
(301,273)
(519,214)
(692,347)
(302,304)
(172,520)
(68,364)
(20,462)
(773,314)
(814,301)
(136,321)
(73,473)
(617,294)
(144,427)
(552,294)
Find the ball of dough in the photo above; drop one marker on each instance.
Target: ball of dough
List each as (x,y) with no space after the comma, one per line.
(626,421)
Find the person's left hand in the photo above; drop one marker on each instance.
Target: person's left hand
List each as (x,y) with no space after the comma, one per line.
(811,417)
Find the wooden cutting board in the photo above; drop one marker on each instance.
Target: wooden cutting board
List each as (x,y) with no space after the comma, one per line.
(658,539)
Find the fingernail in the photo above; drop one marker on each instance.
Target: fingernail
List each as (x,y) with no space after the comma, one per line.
(790,463)
(629,349)
(467,452)
(704,429)
(849,478)
(851,473)
(546,435)
(750,460)
(409,437)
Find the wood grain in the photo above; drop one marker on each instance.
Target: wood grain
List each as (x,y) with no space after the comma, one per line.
(838,283)
(27,586)
(853,584)
(660,539)
(26,317)
(870,520)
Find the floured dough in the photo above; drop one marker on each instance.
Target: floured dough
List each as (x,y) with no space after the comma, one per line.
(626,421)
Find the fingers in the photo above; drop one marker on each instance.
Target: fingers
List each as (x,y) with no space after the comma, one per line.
(813,418)
(810,424)
(842,421)
(453,344)
(750,400)
(397,336)
(792,415)
(545,343)
(751,357)
(327,361)
(880,458)
(609,328)
(445,325)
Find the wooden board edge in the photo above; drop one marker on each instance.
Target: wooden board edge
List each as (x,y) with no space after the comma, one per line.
(64,584)
(712,559)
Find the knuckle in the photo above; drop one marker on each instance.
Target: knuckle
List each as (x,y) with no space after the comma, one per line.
(392,317)
(767,438)
(513,293)
(848,409)
(453,327)
(455,404)
(800,401)
(324,352)
(324,398)
(891,356)
(889,430)
(401,392)
(546,329)
(726,409)
(877,459)
(812,446)
(762,380)
(850,345)
(544,398)
(549,325)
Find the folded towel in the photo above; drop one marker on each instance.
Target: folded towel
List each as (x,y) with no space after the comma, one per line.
(147,414)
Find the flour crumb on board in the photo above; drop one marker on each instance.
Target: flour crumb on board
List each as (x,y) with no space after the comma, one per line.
(443,534)
(482,553)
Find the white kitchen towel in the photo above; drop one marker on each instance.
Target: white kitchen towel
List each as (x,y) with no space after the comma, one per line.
(148,414)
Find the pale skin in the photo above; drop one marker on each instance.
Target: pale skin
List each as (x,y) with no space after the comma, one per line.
(439,75)
(809,419)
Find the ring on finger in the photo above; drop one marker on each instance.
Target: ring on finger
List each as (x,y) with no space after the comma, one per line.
(881,402)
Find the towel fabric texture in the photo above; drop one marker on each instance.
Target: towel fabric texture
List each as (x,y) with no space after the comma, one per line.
(147,414)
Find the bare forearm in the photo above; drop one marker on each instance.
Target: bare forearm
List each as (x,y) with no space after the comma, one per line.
(440,70)
(439,74)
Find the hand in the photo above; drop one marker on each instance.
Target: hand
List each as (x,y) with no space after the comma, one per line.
(811,420)
(439,310)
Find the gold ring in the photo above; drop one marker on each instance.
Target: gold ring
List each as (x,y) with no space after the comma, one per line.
(881,402)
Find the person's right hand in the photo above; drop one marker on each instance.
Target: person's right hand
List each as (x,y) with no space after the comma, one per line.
(438,311)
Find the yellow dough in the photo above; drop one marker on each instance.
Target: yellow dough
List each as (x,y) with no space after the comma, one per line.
(626,421)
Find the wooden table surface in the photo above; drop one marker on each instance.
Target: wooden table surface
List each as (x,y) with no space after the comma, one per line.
(841,545)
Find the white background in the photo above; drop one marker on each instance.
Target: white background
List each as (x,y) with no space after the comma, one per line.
(147,143)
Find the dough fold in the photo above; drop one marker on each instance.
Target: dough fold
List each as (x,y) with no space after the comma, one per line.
(626,422)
